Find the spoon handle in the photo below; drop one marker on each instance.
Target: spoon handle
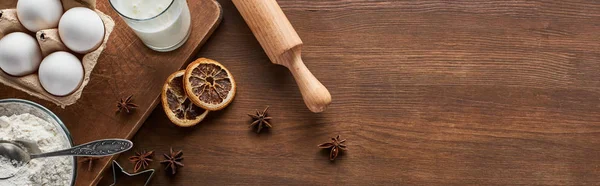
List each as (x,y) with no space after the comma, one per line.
(97,148)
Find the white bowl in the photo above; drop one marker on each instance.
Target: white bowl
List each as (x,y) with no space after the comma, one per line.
(9,107)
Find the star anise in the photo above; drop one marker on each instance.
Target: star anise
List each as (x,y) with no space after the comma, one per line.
(336,145)
(173,160)
(141,160)
(260,120)
(125,105)
(89,160)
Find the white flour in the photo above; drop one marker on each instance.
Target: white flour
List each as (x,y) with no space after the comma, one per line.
(7,167)
(44,171)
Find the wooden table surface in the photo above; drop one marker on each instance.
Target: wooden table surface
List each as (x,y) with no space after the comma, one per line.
(426,93)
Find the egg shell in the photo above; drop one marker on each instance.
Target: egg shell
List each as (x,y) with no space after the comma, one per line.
(81,30)
(36,15)
(61,73)
(19,54)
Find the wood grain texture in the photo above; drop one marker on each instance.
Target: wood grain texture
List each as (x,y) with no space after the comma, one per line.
(426,92)
(126,67)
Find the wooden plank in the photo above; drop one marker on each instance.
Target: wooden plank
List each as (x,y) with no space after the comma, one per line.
(430,92)
(126,67)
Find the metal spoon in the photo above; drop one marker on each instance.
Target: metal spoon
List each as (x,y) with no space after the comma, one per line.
(23,150)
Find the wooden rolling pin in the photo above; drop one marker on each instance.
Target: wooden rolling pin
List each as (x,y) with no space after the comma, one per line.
(283,46)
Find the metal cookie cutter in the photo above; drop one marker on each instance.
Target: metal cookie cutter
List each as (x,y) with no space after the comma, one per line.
(118,169)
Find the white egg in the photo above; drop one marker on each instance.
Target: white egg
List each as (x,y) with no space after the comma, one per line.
(36,15)
(81,30)
(60,73)
(19,54)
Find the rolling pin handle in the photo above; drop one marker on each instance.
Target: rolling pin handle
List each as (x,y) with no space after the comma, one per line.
(282,44)
(315,95)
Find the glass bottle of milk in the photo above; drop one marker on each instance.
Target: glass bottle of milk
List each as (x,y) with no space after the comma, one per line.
(163,25)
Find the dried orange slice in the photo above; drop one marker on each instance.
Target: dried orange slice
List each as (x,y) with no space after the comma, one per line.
(178,107)
(209,84)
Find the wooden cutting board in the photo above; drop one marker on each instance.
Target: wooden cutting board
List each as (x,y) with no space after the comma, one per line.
(126,67)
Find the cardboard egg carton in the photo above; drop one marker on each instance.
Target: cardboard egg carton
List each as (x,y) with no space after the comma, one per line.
(30,83)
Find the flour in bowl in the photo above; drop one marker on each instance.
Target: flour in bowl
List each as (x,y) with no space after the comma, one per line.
(7,167)
(43,171)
